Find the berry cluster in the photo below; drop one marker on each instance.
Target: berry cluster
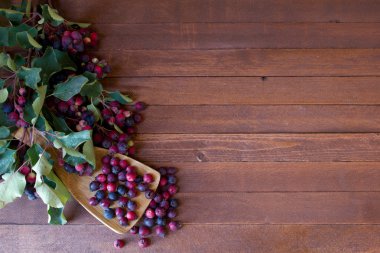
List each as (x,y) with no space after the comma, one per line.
(161,211)
(94,65)
(30,178)
(14,108)
(72,39)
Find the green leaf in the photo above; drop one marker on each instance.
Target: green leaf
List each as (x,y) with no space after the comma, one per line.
(4,36)
(52,62)
(13,31)
(52,15)
(70,88)
(4,132)
(12,188)
(89,152)
(3,95)
(33,153)
(95,111)
(39,101)
(73,140)
(30,75)
(14,16)
(58,123)
(93,88)
(42,124)
(42,166)
(121,98)
(25,40)
(2,82)
(6,61)
(19,60)
(7,160)
(56,216)
(48,195)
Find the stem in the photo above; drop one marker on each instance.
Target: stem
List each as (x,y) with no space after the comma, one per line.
(28,8)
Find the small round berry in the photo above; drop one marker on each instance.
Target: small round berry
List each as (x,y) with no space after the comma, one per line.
(118,244)
(148,178)
(100,194)
(149,213)
(93,201)
(25,170)
(131,215)
(160,231)
(31,178)
(105,203)
(149,222)
(149,194)
(144,231)
(94,186)
(113,196)
(122,190)
(123,201)
(109,213)
(111,187)
(144,242)
(131,205)
(120,212)
(123,221)
(101,178)
(134,230)
(174,225)
(160,212)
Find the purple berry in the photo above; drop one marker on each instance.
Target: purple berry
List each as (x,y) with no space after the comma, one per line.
(118,244)
(172,213)
(120,212)
(134,230)
(144,231)
(93,201)
(160,231)
(160,212)
(123,221)
(144,242)
(131,205)
(174,225)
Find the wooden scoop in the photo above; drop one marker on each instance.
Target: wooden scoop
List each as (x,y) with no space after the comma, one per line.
(78,186)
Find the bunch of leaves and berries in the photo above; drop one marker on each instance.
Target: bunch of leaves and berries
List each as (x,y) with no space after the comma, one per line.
(53,107)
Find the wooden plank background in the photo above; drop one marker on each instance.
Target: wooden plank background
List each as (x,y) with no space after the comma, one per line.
(268,108)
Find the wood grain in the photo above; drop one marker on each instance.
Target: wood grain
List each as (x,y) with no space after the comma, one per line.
(168,148)
(241,208)
(249,90)
(251,238)
(238,36)
(250,62)
(261,119)
(130,11)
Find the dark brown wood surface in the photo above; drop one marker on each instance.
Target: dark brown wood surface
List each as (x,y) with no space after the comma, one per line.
(270,110)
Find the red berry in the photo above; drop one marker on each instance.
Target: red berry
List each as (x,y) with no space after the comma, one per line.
(160,231)
(144,242)
(79,167)
(13,116)
(131,215)
(144,231)
(130,169)
(101,178)
(163,181)
(166,195)
(119,212)
(134,230)
(106,159)
(105,203)
(149,213)
(173,189)
(31,178)
(148,178)
(22,91)
(174,225)
(25,170)
(99,71)
(113,149)
(111,187)
(87,40)
(114,161)
(118,244)
(123,164)
(93,201)
(131,176)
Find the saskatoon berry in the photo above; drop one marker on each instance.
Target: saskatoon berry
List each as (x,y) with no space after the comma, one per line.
(172,214)
(153,204)
(94,186)
(164,204)
(144,231)
(109,213)
(106,159)
(7,108)
(149,194)
(114,161)
(123,201)
(163,181)
(144,242)
(166,195)
(149,222)
(149,213)
(161,221)
(69,168)
(116,169)
(120,212)
(93,201)
(31,178)
(158,197)
(162,171)
(106,143)
(123,221)
(142,187)
(172,179)
(113,149)
(173,189)
(160,212)
(113,196)
(160,231)
(134,230)
(173,203)
(121,189)
(112,178)
(131,215)
(130,185)
(118,244)
(106,169)
(111,187)
(101,178)
(131,205)
(174,225)
(171,170)
(100,194)
(123,164)
(131,176)
(25,170)
(132,193)
(105,203)
(148,178)
(130,169)
(121,176)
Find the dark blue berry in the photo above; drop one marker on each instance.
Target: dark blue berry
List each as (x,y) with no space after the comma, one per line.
(100,194)
(142,187)
(113,196)
(94,186)
(7,108)
(122,190)
(149,194)
(139,179)
(69,168)
(161,221)
(173,203)
(149,222)
(109,213)
(116,169)
(171,179)
(131,205)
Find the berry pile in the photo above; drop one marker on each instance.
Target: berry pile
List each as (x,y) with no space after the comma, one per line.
(30,178)
(14,108)
(118,184)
